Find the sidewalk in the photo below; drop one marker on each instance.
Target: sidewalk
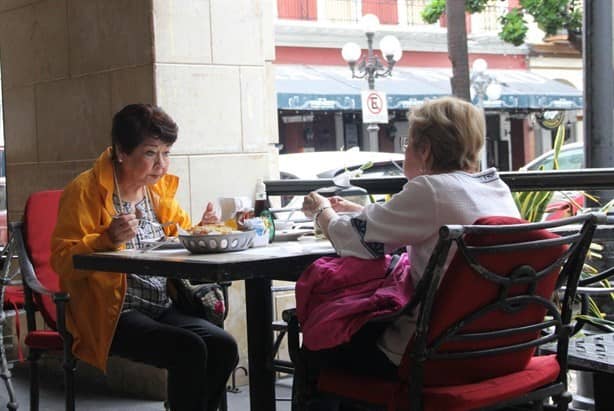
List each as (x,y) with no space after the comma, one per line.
(93,394)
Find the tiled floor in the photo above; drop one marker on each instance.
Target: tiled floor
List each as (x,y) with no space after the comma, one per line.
(93,394)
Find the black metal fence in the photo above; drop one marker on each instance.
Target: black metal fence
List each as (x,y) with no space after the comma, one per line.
(585,179)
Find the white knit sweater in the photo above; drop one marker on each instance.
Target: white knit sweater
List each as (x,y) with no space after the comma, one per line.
(412,218)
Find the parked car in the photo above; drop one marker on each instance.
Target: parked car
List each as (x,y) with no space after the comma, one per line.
(571,157)
(331,164)
(327,164)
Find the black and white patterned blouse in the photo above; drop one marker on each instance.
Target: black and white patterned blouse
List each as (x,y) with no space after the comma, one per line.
(146,294)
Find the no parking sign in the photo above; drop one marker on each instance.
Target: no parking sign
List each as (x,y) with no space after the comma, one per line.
(374,107)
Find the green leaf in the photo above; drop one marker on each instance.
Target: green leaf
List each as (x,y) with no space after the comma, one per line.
(475,6)
(514,27)
(366,165)
(600,323)
(433,11)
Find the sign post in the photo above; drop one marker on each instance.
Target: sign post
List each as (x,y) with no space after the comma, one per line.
(374,110)
(374,107)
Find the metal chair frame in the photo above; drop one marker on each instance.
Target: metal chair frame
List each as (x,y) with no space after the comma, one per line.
(32,286)
(69,362)
(554,327)
(7,277)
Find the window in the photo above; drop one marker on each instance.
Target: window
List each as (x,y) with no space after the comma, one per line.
(343,11)
(413,9)
(385,10)
(297,9)
(488,20)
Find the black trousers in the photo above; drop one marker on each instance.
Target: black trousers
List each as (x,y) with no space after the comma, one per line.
(198,355)
(359,356)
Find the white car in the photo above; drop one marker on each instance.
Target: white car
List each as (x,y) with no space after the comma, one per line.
(338,165)
(571,157)
(328,164)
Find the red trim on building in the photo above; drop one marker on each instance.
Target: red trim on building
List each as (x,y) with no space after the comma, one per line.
(385,10)
(297,9)
(332,57)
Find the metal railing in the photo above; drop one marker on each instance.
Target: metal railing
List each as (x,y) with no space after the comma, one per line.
(584,179)
(413,12)
(488,20)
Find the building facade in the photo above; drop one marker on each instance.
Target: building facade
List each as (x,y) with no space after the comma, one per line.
(319,102)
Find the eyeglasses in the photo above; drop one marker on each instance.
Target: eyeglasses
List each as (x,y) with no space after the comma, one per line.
(404,143)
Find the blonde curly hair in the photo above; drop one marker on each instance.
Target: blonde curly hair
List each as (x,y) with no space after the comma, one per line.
(454,131)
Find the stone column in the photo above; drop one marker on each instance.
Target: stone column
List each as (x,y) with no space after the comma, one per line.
(598,56)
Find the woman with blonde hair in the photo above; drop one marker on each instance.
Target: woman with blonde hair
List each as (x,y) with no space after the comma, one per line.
(445,186)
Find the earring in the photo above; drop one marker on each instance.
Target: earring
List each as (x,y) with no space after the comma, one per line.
(119,160)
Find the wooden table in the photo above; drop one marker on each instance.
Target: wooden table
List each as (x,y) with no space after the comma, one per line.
(256,266)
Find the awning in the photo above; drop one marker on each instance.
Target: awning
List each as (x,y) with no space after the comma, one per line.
(309,87)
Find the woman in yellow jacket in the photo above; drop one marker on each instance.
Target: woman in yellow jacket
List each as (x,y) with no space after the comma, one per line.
(116,205)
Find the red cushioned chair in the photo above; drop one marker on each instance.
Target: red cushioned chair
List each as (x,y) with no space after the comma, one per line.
(477,332)
(42,291)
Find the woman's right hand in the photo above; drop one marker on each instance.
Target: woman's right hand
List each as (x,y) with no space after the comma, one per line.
(123,228)
(341,205)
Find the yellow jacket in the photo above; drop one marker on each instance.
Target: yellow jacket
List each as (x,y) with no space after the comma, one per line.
(96,298)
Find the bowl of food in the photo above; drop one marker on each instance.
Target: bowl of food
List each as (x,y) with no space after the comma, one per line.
(216,238)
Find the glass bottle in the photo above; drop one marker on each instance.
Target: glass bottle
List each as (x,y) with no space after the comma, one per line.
(261,209)
(261,203)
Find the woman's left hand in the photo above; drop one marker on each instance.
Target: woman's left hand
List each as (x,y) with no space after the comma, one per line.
(312,202)
(209,216)
(341,205)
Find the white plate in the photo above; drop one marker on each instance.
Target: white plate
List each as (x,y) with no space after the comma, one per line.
(291,235)
(171,243)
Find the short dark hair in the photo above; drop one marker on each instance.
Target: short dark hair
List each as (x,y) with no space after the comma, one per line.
(136,122)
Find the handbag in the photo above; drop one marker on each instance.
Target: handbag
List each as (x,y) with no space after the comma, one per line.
(200,300)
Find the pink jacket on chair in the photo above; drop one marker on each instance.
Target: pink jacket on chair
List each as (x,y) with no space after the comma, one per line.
(336,296)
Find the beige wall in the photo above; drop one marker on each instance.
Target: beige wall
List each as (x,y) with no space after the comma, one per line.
(68,65)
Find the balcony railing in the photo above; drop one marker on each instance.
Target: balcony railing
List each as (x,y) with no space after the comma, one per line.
(488,20)
(390,12)
(585,179)
(406,12)
(413,12)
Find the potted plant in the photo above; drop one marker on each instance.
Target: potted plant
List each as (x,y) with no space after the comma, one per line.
(596,309)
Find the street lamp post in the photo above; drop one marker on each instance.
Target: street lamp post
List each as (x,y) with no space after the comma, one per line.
(483,87)
(371,66)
